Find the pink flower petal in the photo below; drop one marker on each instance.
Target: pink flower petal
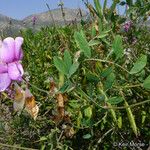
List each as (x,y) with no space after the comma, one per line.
(4,81)
(18,49)
(15,71)
(3,68)
(7,50)
(1,43)
(20,68)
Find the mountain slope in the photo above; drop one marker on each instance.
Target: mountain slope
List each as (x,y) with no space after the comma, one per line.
(9,26)
(45,18)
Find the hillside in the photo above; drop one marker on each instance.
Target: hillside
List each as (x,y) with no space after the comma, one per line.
(11,26)
(46,19)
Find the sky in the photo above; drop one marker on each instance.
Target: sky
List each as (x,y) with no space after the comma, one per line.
(19,9)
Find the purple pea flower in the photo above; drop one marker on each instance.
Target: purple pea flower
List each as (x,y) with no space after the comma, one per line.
(10,57)
(127,26)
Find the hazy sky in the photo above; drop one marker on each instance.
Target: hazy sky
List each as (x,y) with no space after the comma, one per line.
(19,9)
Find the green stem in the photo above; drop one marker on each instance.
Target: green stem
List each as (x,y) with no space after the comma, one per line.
(98,8)
(104,7)
(113,107)
(110,62)
(44,91)
(128,86)
(129,106)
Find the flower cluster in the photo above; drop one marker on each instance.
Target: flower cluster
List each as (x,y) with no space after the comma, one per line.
(10,65)
(127,25)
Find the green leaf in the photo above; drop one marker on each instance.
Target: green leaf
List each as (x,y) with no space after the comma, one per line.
(121,20)
(102,35)
(66,87)
(112,8)
(115,100)
(109,81)
(74,104)
(100,25)
(129,2)
(60,65)
(139,64)
(88,112)
(43,138)
(98,68)
(117,46)
(98,8)
(67,59)
(87,136)
(106,72)
(93,42)
(83,44)
(105,41)
(79,118)
(146,83)
(105,5)
(93,33)
(73,68)
(83,34)
(92,77)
